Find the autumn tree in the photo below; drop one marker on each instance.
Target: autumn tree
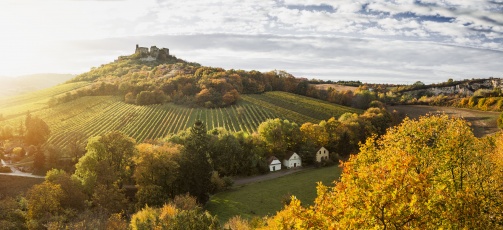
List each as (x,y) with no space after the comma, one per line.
(429,173)
(171,216)
(156,171)
(72,197)
(11,214)
(44,203)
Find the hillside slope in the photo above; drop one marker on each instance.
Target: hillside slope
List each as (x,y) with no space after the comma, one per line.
(95,115)
(11,86)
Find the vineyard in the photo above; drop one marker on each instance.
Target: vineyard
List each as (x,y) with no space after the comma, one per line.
(91,116)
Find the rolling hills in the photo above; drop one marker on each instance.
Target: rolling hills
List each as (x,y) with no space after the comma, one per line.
(94,115)
(10,86)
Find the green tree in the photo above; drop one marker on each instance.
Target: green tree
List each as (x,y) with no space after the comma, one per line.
(280,136)
(195,166)
(226,154)
(108,160)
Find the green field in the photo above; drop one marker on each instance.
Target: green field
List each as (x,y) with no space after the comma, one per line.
(265,198)
(96,115)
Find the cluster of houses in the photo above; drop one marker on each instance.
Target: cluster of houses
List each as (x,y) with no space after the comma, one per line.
(292,160)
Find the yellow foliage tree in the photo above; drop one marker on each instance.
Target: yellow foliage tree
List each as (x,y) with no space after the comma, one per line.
(44,202)
(430,173)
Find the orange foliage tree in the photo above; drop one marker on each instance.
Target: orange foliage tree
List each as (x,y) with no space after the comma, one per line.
(429,173)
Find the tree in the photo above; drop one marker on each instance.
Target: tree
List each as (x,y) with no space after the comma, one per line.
(172,217)
(44,202)
(500,121)
(76,145)
(280,136)
(37,131)
(226,154)
(109,199)
(11,215)
(73,197)
(155,173)
(195,166)
(426,174)
(38,161)
(108,160)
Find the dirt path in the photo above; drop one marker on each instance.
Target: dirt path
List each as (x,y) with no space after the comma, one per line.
(483,122)
(16,172)
(269,176)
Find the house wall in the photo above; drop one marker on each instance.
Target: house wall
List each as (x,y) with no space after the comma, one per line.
(275,165)
(321,154)
(294,161)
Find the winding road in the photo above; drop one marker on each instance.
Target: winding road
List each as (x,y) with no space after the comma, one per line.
(16,172)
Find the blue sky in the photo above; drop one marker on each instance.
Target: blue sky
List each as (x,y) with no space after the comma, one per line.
(396,41)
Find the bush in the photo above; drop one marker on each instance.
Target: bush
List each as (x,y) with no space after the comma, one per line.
(5,169)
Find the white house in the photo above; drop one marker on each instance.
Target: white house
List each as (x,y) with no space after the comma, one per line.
(292,160)
(321,154)
(274,164)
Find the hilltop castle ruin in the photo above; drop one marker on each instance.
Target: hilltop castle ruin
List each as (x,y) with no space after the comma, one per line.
(152,55)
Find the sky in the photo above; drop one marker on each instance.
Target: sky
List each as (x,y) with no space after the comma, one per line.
(375,41)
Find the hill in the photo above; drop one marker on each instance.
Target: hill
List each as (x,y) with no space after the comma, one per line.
(10,86)
(151,94)
(94,115)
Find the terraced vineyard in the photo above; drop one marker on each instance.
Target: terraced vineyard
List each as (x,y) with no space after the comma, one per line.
(91,116)
(300,108)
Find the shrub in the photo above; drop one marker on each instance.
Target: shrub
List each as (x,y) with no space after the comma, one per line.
(5,169)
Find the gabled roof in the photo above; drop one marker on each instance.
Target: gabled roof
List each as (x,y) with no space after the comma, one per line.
(289,155)
(271,159)
(318,149)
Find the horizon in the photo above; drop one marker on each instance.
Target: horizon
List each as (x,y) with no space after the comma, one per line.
(374,41)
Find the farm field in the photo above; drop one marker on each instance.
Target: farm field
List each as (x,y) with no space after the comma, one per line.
(483,122)
(265,198)
(92,116)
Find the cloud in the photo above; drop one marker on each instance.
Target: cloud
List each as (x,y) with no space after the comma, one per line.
(365,38)
(335,58)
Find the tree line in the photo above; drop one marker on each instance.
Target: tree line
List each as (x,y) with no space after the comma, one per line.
(117,176)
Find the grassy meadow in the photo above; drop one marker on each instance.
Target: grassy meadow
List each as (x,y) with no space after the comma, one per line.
(266,197)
